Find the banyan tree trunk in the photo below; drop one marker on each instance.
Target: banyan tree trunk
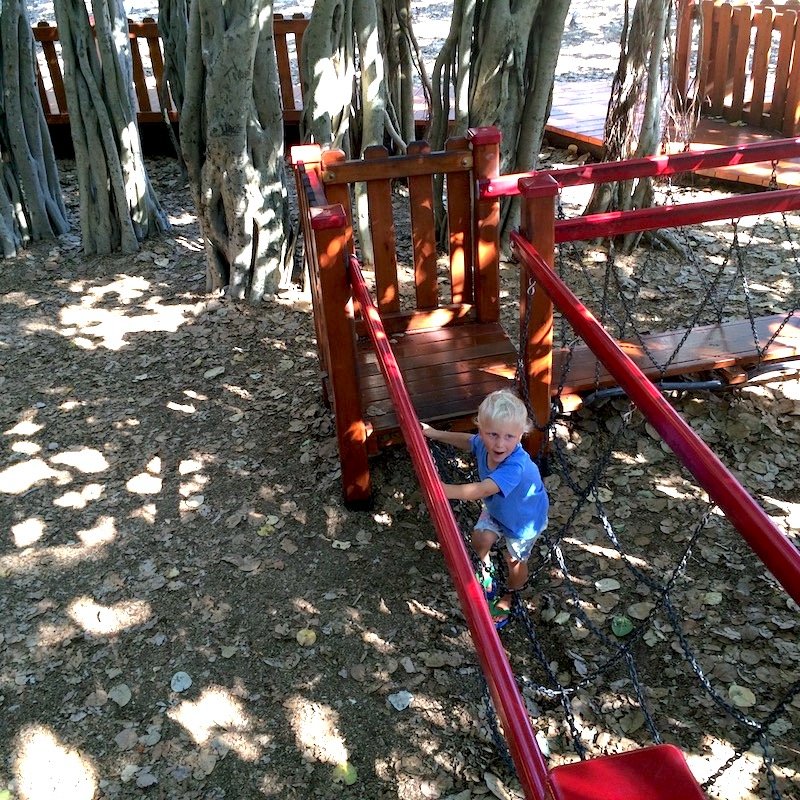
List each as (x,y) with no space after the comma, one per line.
(31,206)
(118,207)
(232,142)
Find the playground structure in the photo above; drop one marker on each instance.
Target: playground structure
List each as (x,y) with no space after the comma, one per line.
(434,353)
(739,60)
(447,337)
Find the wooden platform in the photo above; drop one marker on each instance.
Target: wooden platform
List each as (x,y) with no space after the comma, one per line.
(579,112)
(448,371)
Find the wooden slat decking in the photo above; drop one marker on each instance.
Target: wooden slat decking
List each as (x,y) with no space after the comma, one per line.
(578,116)
(448,371)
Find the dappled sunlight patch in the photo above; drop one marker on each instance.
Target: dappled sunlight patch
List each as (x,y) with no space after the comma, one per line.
(148,482)
(26,448)
(144,483)
(378,643)
(183,408)
(190,393)
(80,499)
(84,459)
(304,607)
(55,634)
(189,466)
(790,512)
(90,326)
(606,552)
(219,717)
(126,287)
(146,513)
(45,768)
(19,478)
(740,780)
(57,558)
(672,490)
(316,730)
(194,245)
(103,620)
(104,531)
(25,427)
(28,532)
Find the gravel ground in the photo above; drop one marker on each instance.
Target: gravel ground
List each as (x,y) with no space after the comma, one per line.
(188,611)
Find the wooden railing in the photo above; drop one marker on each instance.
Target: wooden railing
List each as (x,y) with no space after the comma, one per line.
(745,59)
(148,70)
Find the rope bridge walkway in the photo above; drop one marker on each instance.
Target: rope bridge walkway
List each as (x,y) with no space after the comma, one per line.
(648,605)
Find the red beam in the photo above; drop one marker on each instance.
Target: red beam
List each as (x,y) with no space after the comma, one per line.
(766,539)
(616,223)
(650,166)
(528,759)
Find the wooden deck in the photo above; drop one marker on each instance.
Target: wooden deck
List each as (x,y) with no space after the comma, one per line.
(579,112)
(448,371)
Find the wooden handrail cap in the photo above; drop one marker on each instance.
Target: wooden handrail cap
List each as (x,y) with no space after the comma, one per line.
(485,135)
(538,185)
(306,154)
(328,217)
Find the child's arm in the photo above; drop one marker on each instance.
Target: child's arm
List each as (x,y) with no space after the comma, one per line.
(470,491)
(455,438)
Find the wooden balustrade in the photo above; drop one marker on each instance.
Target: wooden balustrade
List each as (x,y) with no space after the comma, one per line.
(147,57)
(744,59)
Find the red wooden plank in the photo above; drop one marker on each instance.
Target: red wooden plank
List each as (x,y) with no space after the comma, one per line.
(423,236)
(764,18)
(742,22)
(284,68)
(721,45)
(486,164)
(785,27)
(382,230)
(459,224)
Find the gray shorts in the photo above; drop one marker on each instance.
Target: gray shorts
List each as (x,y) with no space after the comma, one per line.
(518,549)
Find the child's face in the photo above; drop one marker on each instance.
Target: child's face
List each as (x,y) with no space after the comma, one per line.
(500,438)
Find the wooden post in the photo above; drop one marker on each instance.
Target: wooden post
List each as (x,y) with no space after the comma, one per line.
(486,164)
(537,225)
(326,228)
(329,225)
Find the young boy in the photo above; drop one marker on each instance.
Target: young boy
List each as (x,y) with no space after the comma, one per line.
(514,499)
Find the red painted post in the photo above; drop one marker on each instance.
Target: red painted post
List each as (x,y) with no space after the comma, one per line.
(486,165)
(329,226)
(779,555)
(537,224)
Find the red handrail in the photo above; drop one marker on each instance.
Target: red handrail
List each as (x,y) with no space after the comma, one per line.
(779,555)
(528,759)
(616,223)
(649,166)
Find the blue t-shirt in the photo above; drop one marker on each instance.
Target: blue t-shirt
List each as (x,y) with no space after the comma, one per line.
(520,507)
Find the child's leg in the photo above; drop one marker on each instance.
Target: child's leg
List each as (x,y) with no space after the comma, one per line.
(517,573)
(482,541)
(517,577)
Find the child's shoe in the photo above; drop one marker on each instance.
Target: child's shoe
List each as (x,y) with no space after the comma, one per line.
(485,576)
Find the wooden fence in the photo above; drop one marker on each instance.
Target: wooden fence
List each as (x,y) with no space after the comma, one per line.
(745,60)
(148,70)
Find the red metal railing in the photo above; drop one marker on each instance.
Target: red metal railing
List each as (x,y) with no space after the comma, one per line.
(528,759)
(616,223)
(650,166)
(764,537)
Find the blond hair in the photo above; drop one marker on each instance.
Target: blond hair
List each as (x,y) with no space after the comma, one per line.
(503,406)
